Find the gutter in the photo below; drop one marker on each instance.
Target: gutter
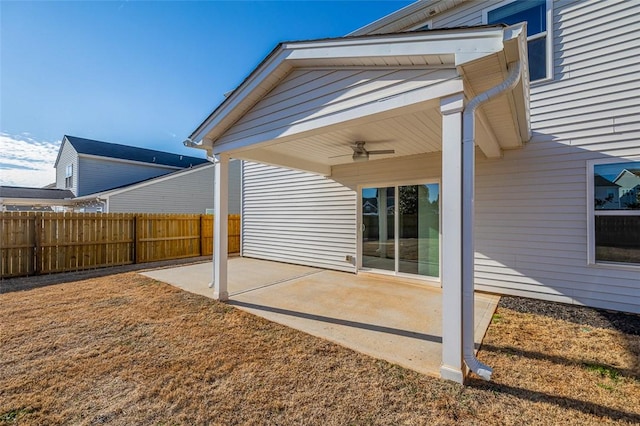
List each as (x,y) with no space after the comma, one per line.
(468,189)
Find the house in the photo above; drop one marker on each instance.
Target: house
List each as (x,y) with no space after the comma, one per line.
(94,176)
(113,178)
(86,166)
(176,192)
(629,183)
(508,110)
(606,193)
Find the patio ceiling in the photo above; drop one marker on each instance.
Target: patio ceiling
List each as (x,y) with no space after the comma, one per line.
(308,102)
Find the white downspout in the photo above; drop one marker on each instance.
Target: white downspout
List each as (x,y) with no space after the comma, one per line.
(468,189)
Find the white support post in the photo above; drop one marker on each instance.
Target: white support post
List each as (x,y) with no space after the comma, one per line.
(452,367)
(220,228)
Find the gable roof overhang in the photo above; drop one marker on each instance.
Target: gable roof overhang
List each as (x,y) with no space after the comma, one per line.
(469,60)
(409,16)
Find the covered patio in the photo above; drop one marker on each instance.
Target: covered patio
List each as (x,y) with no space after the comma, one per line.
(387,318)
(379,112)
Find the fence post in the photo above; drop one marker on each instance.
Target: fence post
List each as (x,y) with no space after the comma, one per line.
(37,232)
(201,235)
(136,240)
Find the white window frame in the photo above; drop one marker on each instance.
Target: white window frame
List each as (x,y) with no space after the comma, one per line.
(591,215)
(68,176)
(548,34)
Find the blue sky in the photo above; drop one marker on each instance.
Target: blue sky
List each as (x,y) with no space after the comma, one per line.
(137,72)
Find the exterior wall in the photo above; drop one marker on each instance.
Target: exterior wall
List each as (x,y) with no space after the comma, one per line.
(184,193)
(296,217)
(96,175)
(531,206)
(67,156)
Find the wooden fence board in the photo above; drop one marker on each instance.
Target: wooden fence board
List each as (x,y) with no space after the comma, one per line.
(17,242)
(43,242)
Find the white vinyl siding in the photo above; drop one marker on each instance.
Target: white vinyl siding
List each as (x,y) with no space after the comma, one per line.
(531,205)
(183,193)
(96,174)
(295,217)
(531,222)
(307,97)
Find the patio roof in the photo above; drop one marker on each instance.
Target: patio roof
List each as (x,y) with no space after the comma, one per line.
(307,102)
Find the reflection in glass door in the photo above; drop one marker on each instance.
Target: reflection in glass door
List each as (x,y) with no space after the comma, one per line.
(378,224)
(417,245)
(419,239)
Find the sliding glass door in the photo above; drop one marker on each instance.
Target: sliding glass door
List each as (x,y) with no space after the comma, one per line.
(401,229)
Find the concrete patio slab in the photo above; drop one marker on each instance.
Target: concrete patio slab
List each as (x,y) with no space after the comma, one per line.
(383,317)
(244,274)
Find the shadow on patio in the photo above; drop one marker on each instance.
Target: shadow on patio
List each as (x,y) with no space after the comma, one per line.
(384,317)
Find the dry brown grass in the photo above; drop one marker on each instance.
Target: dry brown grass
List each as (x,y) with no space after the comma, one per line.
(126,349)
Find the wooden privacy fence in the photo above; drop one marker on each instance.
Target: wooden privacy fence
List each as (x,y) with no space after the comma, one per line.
(34,243)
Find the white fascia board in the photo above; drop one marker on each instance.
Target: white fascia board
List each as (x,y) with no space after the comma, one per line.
(120,160)
(474,41)
(466,45)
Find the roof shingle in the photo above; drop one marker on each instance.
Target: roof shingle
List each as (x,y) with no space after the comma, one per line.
(132,153)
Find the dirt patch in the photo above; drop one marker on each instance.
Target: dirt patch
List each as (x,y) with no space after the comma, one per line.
(126,349)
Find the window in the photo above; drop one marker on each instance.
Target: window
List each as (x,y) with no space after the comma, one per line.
(614,212)
(537,14)
(68,176)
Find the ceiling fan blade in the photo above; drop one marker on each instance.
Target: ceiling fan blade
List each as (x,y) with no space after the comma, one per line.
(343,155)
(383,151)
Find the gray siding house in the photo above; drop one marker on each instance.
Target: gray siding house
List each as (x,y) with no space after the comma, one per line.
(86,166)
(113,178)
(177,192)
(486,131)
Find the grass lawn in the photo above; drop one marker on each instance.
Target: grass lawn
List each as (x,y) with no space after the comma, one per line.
(125,349)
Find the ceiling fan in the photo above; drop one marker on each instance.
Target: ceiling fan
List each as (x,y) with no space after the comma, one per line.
(360,153)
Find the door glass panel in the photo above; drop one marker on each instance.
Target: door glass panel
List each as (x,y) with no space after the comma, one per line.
(378,239)
(419,229)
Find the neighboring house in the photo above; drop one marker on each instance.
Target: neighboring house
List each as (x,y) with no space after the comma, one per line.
(629,183)
(85,166)
(113,178)
(16,198)
(177,192)
(606,193)
(549,107)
